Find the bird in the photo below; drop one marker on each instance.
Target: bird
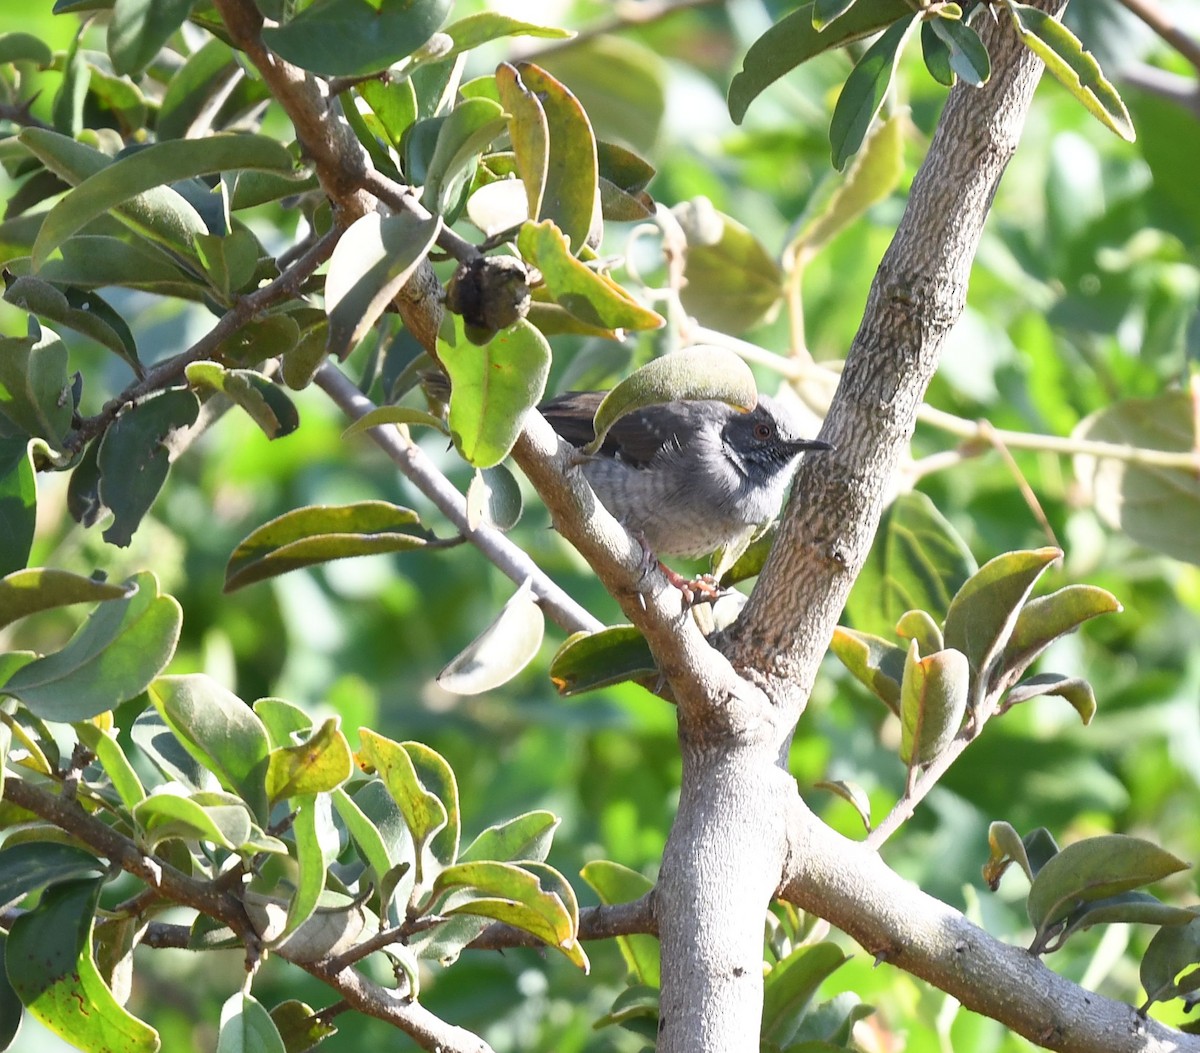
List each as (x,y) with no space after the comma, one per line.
(690,478)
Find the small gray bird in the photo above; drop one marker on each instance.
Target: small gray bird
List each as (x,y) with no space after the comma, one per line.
(690,478)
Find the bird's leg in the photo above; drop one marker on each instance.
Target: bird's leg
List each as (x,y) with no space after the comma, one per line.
(702,589)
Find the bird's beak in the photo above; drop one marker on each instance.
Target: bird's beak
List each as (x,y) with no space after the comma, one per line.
(800,445)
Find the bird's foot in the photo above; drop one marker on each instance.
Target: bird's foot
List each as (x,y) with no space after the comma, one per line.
(703,588)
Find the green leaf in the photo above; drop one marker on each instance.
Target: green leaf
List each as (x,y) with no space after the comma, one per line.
(11,1010)
(615,883)
(167,814)
(696,372)
(135,457)
(1005,846)
(853,794)
(383,415)
(424,812)
(569,193)
(1044,619)
(492,387)
(789,987)
(220,731)
(636,1009)
(873,176)
(590,660)
(933,701)
(968,57)
(864,90)
(1093,869)
(91,261)
(300,1026)
(33,865)
(501,651)
(150,169)
(112,757)
(265,403)
(513,895)
(139,28)
(793,40)
(246,1027)
(590,296)
(463,136)
(393,103)
(51,968)
(34,391)
(826,11)
(1074,689)
(984,611)
(18,510)
(936,54)
(527,836)
(350,38)
(530,134)
(192,87)
(25,47)
(1126,908)
(494,499)
(468,33)
(373,259)
(365,833)
(1157,507)
(320,764)
(732,281)
(1168,967)
(229,261)
(1075,68)
(920,626)
(317,534)
(121,647)
(85,312)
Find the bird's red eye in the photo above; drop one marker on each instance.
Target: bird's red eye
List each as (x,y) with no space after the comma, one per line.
(762,432)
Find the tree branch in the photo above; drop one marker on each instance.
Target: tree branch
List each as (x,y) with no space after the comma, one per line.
(848,884)
(421,472)
(224,905)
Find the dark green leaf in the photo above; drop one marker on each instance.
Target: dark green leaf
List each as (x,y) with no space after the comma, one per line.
(587,661)
(25,47)
(85,312)
(864,90)
(825,11)
(494,499)
(349,38)
(1093,869)
(135,457)
(320,533)
(266,403)
(793,40)
(615,883)
(1074,689)
(984,611)
(790,986)
(121,647)
(26,592)
(393,103)
(1171,953)
(31,866)
(462,137)
(372,260)
(220,731)
(139,28)
(968,57)
(1044,619)
(18,511)
(34,391)
(191,87)
(145,174)
(936,54)
(300,1026)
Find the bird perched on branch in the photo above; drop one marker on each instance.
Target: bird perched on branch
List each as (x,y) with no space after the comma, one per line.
(692,478)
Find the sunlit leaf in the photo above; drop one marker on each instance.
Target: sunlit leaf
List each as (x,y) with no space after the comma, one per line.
(501,651)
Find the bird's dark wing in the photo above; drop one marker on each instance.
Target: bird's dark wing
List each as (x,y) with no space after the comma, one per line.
(636,438)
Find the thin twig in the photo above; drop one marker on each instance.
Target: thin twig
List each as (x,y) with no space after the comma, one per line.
(401,198)
(421,472)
